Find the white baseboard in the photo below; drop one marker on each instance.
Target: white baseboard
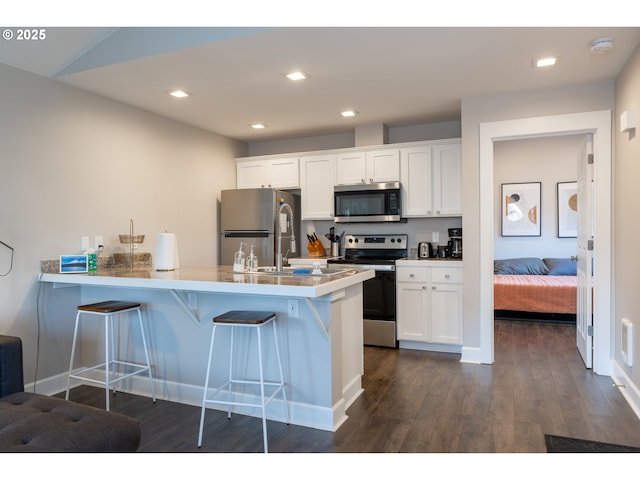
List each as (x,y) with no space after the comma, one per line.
(629,390)
(306,415)
(429,347)
(471,355)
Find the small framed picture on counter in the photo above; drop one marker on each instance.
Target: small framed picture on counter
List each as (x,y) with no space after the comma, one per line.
(74,264)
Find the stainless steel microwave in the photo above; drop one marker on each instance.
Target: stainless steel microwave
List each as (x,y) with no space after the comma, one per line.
(372,202)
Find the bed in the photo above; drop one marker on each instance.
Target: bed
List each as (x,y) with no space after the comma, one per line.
(533,285)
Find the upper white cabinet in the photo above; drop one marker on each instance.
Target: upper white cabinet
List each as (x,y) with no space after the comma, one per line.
(268,173)
(317,174)
(416,180)
(431,177)
(447,176)
(373,166)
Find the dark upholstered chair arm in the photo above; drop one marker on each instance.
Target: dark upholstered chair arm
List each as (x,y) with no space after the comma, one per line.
(11,373)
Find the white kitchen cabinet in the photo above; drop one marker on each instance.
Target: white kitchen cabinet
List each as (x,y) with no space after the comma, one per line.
(429,305)
(447,175)
(446,305)
(416,180)
(317,174)
(373,166)
(431,178)
(268,173)
(412,304)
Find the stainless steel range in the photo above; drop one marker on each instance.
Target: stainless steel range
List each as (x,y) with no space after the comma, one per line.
(379,253)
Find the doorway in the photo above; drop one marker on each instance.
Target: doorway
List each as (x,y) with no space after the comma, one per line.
(599,124)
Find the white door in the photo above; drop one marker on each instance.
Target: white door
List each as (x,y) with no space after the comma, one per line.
(584,317)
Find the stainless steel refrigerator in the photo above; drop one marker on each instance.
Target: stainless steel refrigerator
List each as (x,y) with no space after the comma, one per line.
(250,216)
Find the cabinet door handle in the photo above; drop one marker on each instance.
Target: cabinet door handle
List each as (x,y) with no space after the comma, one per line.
(446,276)
(411,275)
(371,180)
(424,287)
(433,288)
(362,180)
(438,212)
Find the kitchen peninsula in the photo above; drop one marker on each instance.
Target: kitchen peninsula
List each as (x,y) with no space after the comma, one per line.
(319,325)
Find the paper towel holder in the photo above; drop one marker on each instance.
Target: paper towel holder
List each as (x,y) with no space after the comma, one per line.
(166,259)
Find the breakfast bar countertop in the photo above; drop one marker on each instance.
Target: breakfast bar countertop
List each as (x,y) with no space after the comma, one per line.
(214,279)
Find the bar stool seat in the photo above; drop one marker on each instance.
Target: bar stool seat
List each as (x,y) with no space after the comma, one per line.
(225,394)
(115,369)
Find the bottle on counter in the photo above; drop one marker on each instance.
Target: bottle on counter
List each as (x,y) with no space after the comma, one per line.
(239,259)
(252,261)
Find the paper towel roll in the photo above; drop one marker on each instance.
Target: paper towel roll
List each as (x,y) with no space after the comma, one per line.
(165,252)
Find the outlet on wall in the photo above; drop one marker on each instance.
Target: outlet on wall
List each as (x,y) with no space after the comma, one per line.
(435,237)
(293,309)
(98,242)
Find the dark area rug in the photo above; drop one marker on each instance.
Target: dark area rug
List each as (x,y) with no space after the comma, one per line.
(556,444)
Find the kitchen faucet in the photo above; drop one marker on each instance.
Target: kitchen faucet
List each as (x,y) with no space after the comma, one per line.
(281,223)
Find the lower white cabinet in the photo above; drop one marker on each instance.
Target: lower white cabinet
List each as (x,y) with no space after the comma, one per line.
(429,304)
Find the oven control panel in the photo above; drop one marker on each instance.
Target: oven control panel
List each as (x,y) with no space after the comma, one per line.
(384,241)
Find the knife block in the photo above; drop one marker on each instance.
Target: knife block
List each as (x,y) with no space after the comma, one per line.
(316,249)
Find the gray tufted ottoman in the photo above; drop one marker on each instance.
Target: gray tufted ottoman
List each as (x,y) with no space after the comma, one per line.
(30,422)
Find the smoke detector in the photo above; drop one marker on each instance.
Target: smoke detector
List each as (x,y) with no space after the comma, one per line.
(601,45)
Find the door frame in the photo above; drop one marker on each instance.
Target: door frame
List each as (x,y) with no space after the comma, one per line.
(597,123)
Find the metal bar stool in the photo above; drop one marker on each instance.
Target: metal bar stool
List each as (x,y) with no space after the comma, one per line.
(112,375)
(244,319)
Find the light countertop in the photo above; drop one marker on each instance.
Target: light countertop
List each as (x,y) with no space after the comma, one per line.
(429,262)
(214,279)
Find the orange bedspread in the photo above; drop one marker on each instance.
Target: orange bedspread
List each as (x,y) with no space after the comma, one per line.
(535,293)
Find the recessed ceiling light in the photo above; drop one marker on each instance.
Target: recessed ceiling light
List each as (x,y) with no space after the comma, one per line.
(297,76)
(258,126)
(179,94)
(349,113)
(546,62)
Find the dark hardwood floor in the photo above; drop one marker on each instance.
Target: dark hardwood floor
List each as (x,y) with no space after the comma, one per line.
(416,401)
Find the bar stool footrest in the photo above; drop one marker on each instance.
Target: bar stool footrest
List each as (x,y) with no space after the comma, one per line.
(224,389)
(117,376)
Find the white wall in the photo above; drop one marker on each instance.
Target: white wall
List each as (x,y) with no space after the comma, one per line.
(626,214)
(75,164)
(546,160)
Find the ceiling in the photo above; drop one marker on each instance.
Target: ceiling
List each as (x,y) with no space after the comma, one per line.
(397,76)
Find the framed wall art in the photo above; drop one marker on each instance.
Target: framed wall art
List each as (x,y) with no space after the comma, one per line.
(521,209)
(567,209)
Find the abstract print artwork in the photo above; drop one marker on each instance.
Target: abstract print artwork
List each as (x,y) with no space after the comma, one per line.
(567,209)
(521,209)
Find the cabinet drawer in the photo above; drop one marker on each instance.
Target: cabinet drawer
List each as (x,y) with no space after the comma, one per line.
(411,274)
(446,275)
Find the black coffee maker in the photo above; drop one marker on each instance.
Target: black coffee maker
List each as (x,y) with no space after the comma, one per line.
(455,242)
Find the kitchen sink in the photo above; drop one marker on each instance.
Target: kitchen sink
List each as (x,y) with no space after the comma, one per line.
(298,271)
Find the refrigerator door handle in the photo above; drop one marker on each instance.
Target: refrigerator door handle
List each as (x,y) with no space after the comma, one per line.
(246,234)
